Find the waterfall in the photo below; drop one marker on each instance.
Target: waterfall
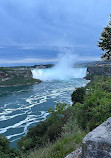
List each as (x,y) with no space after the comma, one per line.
(63,70)
(58,74)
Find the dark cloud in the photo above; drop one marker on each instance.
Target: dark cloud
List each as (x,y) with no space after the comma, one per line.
(32,23)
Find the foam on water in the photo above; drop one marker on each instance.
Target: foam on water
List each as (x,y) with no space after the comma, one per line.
(29,120)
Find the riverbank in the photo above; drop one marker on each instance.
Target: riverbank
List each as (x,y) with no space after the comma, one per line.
(16,77)
(29,82)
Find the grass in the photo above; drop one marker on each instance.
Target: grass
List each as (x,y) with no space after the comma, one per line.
(70,139)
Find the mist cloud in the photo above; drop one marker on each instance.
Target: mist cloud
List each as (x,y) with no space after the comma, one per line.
(63,69)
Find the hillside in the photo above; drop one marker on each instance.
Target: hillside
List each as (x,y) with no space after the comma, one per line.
(15,77)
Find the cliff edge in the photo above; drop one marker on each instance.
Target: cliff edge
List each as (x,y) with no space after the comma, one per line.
(99,70)
(16,77)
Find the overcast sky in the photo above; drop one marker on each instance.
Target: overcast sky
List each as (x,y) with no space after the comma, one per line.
(37,30)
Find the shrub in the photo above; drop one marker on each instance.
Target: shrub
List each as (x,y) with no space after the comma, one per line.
(70,139)
(5,150)
(96,107)
(78,95)
(49,130)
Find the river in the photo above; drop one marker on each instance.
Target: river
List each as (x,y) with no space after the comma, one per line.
(24,106)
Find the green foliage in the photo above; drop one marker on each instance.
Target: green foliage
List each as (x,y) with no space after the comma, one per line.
(70,138)
(5,150)
(78,95)
(105,42)
(18,80)
(48,130)
(96,107)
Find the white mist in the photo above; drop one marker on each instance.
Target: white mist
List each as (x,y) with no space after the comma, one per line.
(63,70)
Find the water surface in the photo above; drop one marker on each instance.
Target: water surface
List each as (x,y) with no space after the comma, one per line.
(24,106)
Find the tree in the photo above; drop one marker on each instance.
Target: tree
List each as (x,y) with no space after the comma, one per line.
(105,42)
(5,150)
(48,130)
(78,95)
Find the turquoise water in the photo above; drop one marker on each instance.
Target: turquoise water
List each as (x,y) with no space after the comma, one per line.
(25,106)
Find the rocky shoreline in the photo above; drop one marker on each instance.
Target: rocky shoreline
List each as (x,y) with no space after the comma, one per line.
(11,77)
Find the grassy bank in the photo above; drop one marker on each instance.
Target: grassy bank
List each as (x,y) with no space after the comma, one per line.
(69,140)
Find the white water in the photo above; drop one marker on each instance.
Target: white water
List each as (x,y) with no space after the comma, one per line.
(63,70)
(58,74)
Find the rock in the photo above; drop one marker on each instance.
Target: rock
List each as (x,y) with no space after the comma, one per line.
(97,144)
(75,154)
(99,70)
(16,77)
(12,73)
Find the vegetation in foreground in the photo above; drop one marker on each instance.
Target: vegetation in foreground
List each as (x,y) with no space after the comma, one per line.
(64,129)
(70,139)
(5,150)
(96,107)
(47,131)
(62,135)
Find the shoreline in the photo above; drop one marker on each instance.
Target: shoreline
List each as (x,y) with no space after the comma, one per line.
(27,84)
(10,77)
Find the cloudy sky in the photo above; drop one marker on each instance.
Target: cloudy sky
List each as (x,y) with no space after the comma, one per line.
(36,31)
